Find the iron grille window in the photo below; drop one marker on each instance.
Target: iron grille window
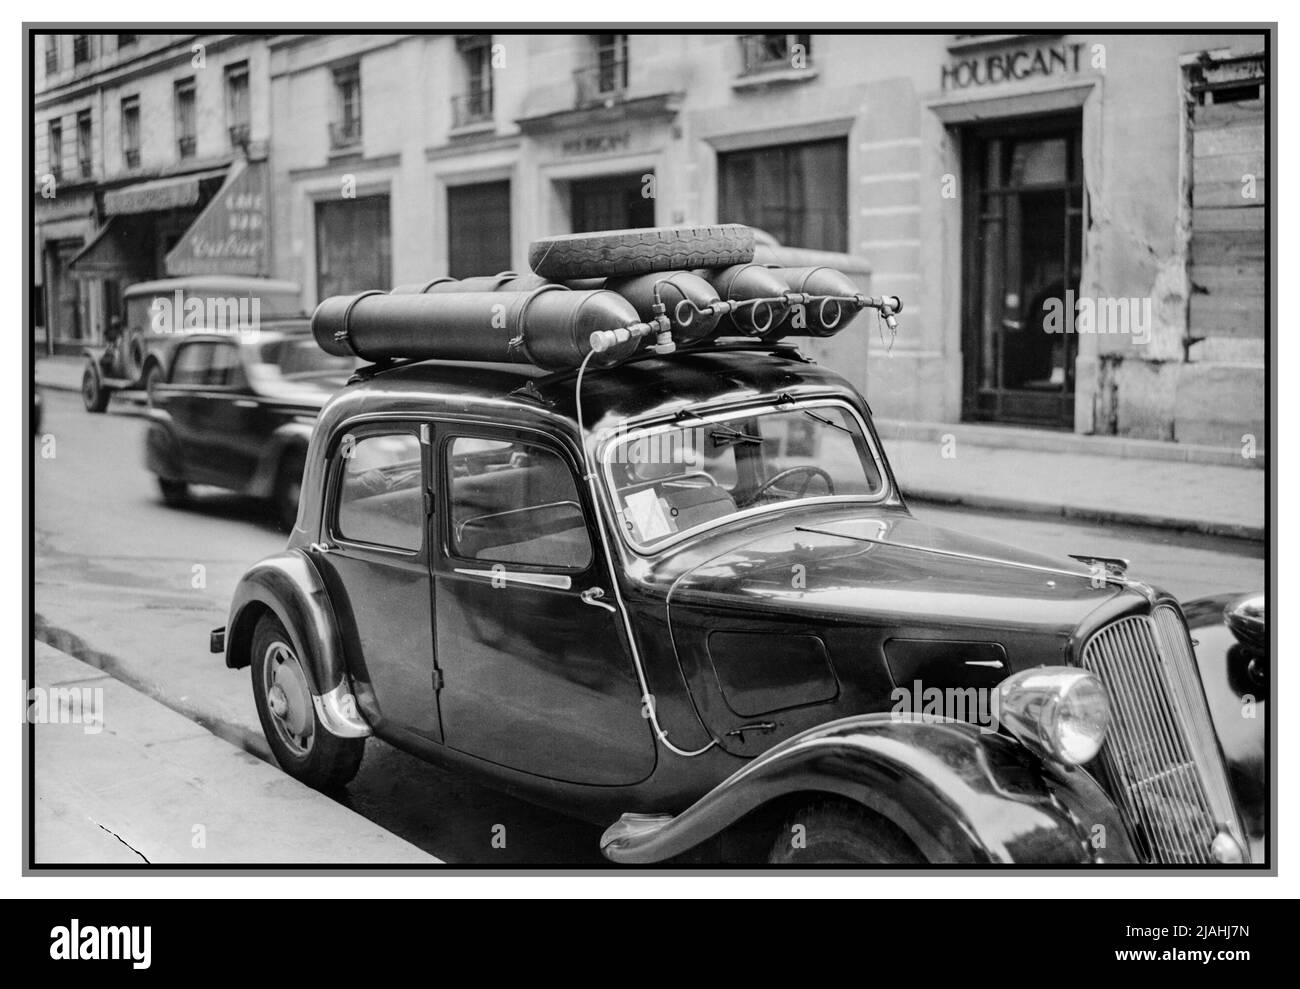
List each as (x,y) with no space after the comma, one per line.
(345,130)
(798,193)
(475,104)
(56,148)
(237,107)
(81,49)
(186,137)
(131,131)
(51,54)
(85,137)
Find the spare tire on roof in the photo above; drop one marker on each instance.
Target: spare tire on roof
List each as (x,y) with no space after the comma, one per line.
(639,251)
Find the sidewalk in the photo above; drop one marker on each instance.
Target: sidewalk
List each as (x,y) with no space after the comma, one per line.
(1167,494)
(60,373)
(140,783)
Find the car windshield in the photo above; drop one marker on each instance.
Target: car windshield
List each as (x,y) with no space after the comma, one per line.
(670,480)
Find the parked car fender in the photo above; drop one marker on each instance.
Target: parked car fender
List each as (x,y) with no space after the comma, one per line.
(962,796)
(289,585)
(161,448)
(1235,672)
(281,441)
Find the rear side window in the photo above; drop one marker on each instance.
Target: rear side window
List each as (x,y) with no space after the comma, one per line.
(193,362)
(515,503)
(381,499)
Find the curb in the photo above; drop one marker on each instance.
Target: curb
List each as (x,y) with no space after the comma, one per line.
(1206,527)
(56,386)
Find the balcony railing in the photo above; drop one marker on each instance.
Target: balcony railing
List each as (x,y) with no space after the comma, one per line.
(132,156)
(345,133)
(471,108)
(774,53)
(186,146)
(239,135)
(602,83)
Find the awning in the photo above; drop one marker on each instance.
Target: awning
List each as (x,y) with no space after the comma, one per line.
(118,250)
(159,194)
(229,236)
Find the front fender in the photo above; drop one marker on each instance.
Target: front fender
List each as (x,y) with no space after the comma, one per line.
(289,585)
(1236,681)
(963,796)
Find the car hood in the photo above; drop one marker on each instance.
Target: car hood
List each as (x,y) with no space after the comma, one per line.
(888,566)
(812,618)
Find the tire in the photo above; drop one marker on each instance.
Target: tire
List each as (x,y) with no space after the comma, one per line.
(300,743)
(288,488)
(152,376)
(134,354)
(838,832)
(94,396)
(176,494)
(638,251)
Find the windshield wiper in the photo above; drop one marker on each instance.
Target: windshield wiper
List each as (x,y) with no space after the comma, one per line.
(726,435)
(828,422)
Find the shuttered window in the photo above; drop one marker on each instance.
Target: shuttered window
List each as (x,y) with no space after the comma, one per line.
(1228,198)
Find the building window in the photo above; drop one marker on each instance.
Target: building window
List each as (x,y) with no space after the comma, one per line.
(126,41)
(775,52)
(131,131)
(474,105)
(345,129)
(85,137)
(798,193)
(81,45)
(478,228)
(605,78)
(51,54)
(237,108)
(186,134)
(353,246)
(56,148)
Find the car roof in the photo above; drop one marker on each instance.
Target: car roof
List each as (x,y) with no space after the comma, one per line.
(236,284)
(644,387)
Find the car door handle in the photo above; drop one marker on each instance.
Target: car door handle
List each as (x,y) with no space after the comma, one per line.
(593,595)
(245,403)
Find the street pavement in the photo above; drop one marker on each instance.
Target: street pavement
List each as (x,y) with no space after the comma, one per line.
(120,779)
(132,588)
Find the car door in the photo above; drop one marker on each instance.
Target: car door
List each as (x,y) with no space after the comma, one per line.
(376,567)
(179,396)
(534,677)
(228,414)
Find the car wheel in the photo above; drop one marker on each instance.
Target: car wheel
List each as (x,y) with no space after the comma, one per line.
(94,396)
(176,494)
(151,379)
(635,252)
(837,832)
(288,488)
(301,744)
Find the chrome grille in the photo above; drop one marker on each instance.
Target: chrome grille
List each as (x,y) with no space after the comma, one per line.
(1160,755)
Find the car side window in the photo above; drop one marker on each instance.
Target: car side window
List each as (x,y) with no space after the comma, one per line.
(192,364)
(514,502)
(225,370)
(381,498)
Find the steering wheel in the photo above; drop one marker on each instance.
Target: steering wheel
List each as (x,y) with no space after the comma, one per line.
(781,475)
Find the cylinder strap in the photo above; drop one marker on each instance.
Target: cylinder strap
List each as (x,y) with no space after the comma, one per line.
(517,342)
(343,334)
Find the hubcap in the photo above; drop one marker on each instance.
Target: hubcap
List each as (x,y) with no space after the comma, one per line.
(288,698)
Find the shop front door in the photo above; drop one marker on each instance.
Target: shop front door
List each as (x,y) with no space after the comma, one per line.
(611,202)
(1022,250)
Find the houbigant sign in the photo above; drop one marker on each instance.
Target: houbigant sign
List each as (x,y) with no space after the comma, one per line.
(229,236)
(1009,66)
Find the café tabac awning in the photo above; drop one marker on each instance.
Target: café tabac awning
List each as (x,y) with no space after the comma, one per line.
(229,236)
(175,192)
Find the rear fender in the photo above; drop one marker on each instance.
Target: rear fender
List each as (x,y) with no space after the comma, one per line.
(963,797)
(289,585)
(161,448)
(285,438)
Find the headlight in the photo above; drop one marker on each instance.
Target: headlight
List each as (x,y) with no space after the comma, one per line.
(1059,712)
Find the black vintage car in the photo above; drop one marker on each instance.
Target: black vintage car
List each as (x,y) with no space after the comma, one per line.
(682,594)
(236,411)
